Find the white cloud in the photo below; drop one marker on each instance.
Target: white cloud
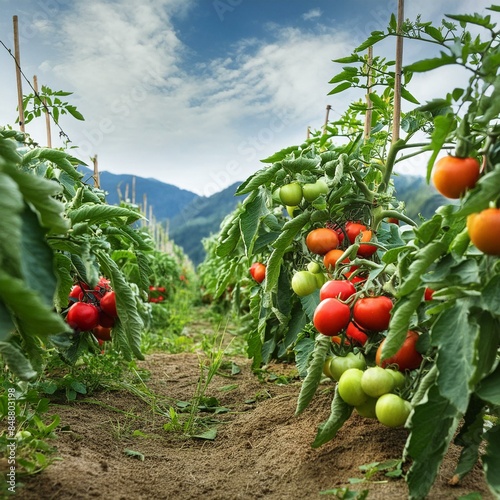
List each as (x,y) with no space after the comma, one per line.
(312,14)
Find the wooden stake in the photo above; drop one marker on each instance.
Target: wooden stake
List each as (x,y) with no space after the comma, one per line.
(308,134)
(96,173)
(328,108)
(369,110)
(17,58)
(133,194)
(398,73)
(144,207)
(47,116)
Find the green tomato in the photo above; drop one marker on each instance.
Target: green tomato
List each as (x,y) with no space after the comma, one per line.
(377,381)
(399,378)
(304,283)
(314,267)
(291,210)
(391,410)
(339,364)
(291,194)
(312,190)
(367,409)
(326,367)
(349,387)
(321,279)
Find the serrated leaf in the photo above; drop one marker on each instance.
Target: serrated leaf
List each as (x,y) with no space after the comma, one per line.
(491,459)
(339,413)
(262,177)
(430,64)
(280,155)
(314,373)
(16,361)
(484,21)
(250,220)
(94,214)
(300,164)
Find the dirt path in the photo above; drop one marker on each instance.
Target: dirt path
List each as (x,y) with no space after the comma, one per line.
(261,450)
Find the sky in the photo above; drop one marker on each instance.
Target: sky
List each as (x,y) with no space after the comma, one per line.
(195,93)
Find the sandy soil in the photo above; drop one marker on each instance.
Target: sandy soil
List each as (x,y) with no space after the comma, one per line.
(261,450)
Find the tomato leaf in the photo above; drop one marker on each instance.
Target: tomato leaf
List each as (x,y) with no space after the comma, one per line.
(280,155)
(262,177)
(314,372)
(486,189)
(300,164)
(340,88)
(429,64)
(95,214)
(339,413)
(489,388)
(491,459)
(250,220)
(16,361)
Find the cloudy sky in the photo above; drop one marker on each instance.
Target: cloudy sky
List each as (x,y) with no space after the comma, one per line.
(195,92)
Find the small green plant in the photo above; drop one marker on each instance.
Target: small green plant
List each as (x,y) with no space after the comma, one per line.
(346,494)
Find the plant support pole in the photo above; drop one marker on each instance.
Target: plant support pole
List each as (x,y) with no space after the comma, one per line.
(96,172)
(47,116)
(17,59)
(328,108)
(368,115)
(397,74)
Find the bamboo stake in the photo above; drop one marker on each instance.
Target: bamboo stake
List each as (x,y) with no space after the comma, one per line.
(308,134)
(369,110)
(126,193)
(17,58)
(398,72)
(133,194)
(96,173)
(328,108)
(47,116)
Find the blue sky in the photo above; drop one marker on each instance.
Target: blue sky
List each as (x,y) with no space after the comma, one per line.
(195,92)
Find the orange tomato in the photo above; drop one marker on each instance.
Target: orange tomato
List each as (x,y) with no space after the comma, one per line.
(452,176)
(320,241)
(331,258)
(483,229)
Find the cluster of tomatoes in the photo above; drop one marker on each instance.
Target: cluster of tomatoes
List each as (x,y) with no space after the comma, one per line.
(93,309)
(372,391)
(453,176)
(156,294)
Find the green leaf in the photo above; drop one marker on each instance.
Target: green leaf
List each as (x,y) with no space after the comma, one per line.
(314,373)
(300,164)
(340,88)
(430,64)
(405,94)
(348,60)
(16,361)
(486,189)
(250,220)
(280,155)
(309,303)
(339,413)
(134,454)
(489,388)
(491,459)
(347,74)
(375,37)
(264,176)
(434,33)
(290,230)
(303,352)
(74,112)
(209,434)
(484,21)
(94,214)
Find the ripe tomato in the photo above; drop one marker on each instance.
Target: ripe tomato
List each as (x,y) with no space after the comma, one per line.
(322,240)
(106,320)
(365,250)
(82,316)
(77,293)
(452,176)
(108,304)
(331,316)
(102,333)
(291,194)
(304,283)
(259,272)
(373,313)
(103,286)
(407,358)
(339,364)
(354,333)
(349,387)
(352,230)
(483,230)
(391,410)
(428,293)
(331,258)
(377,381)
(338,289)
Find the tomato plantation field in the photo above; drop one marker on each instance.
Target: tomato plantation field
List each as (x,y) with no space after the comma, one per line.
(261,450)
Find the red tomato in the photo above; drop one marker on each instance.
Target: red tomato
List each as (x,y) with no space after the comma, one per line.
(106,320)
(407,358)
(428,293)
(82,316)
(354,333)
(352,230)
(102,333)
(339,289)
(366,250)
(259,272)
(77,293)
(108,304)
(330,258)
(331,316)
(103,286)
(322,240)
(373,313)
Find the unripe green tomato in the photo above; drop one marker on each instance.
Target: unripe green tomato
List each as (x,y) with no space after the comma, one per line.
(312,190)
(304,283)
(326,367)
(321,279)
(291,194)
(367,409)
(391,410)
(276,195)
(339,364)
(313,267)
(292,210)
(399,378)
(349,387)
(377,381)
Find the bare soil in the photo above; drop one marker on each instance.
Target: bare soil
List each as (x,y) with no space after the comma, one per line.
(262,450)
